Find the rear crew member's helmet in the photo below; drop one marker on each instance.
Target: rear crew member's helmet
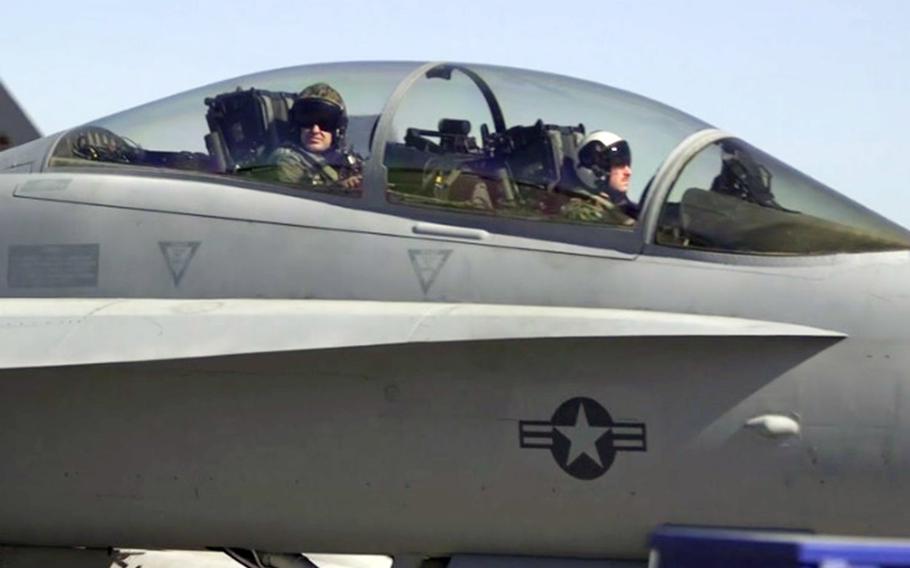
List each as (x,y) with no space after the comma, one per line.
(601,151)
(321,104)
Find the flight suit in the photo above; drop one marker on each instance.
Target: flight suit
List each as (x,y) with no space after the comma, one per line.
(294,165)
(596,209)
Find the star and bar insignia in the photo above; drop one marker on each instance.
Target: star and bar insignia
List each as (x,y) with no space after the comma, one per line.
(583,438)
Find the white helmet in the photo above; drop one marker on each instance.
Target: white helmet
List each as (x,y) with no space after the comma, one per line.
(602,150)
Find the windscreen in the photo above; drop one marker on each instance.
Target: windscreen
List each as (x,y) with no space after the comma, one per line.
(732,197)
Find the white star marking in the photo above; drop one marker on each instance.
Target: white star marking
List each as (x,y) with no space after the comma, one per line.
(583,437)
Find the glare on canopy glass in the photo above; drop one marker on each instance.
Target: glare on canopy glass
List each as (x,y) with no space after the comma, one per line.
(732,197)
(516,156)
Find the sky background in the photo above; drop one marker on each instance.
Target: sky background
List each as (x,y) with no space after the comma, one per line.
(821,84)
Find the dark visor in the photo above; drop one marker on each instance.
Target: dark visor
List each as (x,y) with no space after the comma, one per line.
(615,155)
(308,112)
(619,154)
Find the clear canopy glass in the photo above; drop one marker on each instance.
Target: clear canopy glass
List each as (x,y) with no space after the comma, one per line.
(231,128)
(484,142)
(179,122)
(448,148)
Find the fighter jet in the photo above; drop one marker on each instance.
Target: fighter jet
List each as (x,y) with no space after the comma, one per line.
(437,310)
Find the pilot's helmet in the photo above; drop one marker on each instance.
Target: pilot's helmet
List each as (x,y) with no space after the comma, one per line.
(600,151)
(321,104)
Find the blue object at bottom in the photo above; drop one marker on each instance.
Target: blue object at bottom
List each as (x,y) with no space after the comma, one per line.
(680,547)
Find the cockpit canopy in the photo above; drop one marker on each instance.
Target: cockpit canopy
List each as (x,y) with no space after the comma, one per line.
(484,143)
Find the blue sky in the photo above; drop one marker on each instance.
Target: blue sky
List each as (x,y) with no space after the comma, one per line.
(823,85)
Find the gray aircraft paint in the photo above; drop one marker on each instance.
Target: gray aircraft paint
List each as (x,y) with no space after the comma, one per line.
(640,379)
(298,392)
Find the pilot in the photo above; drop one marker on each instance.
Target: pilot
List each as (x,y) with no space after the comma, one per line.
(607,156)
(317,155)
